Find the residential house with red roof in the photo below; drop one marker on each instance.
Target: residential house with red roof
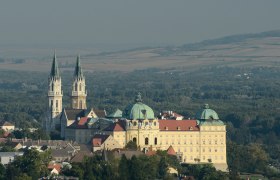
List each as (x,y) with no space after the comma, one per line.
(100,142)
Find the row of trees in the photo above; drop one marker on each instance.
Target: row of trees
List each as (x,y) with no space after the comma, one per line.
(33,165)
(141,167)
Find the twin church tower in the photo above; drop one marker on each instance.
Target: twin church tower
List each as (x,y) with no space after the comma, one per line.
(55,94)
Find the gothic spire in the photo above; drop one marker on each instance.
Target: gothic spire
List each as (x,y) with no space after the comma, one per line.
(78,69)
(54,70)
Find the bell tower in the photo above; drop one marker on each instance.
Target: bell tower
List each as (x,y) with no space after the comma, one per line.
(54,95)
(79,92)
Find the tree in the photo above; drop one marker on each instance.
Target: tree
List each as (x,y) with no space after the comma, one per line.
(76,171)
(131,145)
(32,163)
(257,158)
(2,132)
(162,167)
(2,172)
(208,172)
(123,168)
(134,168)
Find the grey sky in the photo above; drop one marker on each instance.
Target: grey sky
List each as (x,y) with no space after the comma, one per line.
(172,22)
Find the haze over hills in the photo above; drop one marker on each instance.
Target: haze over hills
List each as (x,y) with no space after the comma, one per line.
(245,50)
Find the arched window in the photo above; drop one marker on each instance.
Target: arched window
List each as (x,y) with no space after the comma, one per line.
(146,141)
(80,87)
(81,104)
(134,123)
(76,87)
(134,140)
(155,141)
(52,87)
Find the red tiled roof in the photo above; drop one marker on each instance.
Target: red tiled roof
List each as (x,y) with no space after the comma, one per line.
(98,139)
(117,126)
(96,142)
(55,166)
(171,151)
(178,125)
(82,121)
(80,124)
(151,153)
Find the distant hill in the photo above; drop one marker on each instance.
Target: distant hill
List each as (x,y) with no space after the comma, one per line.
(232,39)
(245,50)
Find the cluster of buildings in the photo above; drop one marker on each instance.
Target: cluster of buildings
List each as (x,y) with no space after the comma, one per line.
(62,151)
(198,140)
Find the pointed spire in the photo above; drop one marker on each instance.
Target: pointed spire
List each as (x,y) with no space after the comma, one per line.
(78,69)
(54,70)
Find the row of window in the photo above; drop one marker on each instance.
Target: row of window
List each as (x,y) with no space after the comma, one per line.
(190,142)
(215,128)
(145,124)
(215,141)
(203,149)
(190,136)
(56,103)
(146,140)
(210,158)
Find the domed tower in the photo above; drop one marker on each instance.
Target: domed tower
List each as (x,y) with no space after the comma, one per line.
(138,110)
(212,138)
(141,125)
(207,114)
(79,92)
(54,95)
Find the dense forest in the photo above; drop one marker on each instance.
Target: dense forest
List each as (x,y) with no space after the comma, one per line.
(246,99)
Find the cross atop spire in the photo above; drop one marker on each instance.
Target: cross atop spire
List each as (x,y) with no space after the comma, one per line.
(54,70)
(78,69)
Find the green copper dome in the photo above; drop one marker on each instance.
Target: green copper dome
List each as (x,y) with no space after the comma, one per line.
(207,114)
(208,117)
(138,111)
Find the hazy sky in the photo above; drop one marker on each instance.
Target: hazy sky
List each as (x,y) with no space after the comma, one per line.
(173,22)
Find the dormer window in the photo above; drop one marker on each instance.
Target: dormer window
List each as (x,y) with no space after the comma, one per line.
(166,128)
(190,128)
(178,128)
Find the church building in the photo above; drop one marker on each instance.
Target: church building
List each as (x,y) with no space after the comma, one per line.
(59,118)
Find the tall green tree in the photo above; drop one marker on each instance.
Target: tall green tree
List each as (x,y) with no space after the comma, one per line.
(2,172)
(162,167)
(123,168)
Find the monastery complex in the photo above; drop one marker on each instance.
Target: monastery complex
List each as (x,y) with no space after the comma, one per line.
(193,141)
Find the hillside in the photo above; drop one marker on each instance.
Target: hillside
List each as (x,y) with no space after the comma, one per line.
(245,50)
